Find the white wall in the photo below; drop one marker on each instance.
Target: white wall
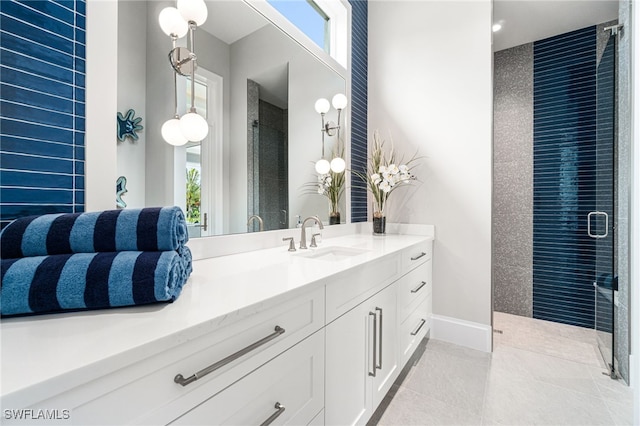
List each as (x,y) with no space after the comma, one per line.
(160,156)
(101,98)
(132,92)
(430,88)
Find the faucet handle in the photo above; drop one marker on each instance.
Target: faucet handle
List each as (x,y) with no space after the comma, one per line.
(292,245)
(313,240)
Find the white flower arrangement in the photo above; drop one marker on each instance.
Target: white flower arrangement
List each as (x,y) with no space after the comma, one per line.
(331,185)
(385,173)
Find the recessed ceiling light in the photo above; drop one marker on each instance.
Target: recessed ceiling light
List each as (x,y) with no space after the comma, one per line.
(496,27)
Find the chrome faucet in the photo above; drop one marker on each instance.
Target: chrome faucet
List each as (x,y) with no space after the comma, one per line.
(303,236)
(260,222)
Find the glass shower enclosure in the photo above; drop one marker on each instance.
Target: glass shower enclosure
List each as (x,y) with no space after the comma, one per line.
(601,221)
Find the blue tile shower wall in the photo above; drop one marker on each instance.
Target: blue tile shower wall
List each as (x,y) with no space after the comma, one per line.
(564,189)
(359,66)
(42,107)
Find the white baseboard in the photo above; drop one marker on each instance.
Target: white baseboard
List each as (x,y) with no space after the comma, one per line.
(461,332)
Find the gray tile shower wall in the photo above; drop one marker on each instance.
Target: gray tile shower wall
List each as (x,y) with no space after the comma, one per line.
(42,107)
(513,181)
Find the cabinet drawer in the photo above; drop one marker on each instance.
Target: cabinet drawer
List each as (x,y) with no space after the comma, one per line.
(287,390)
(358,284)
(146,393)
(414,328)
(413,286)
(416,255)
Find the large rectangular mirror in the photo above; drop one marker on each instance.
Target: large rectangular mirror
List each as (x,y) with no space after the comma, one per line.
(256,86)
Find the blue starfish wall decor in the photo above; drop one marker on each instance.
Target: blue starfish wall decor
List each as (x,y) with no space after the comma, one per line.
(121,189)
(128,125)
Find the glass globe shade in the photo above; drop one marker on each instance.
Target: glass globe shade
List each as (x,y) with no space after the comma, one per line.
(194,127)
(172,23)
(172,134)
(322,106)
(323,166)
(339,101)
(338,165)
(193,10)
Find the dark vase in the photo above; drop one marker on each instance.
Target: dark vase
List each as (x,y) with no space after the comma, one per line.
(379,225)
(334,218)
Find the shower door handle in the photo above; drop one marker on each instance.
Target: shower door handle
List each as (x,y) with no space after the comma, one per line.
(606,224)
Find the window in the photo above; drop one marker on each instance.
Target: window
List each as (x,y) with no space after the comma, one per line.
(309,17)
(203,166)
(201,96)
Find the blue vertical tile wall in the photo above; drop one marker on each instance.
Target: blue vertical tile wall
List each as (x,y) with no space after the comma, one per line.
(359,66)
(564,177)
(42,85)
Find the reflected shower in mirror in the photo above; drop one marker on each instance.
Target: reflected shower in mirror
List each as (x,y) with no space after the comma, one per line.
(255,86)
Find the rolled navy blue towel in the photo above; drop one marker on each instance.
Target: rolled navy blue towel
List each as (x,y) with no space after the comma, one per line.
(148,229)
(82,281)
(186,259)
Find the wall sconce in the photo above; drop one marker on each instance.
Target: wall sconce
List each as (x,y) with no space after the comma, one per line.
(330,128)
(176,22)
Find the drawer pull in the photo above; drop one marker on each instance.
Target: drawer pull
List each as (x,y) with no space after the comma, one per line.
(379,366)
(419,256)
(417,289)
(213,367)
(275,415)
(375,344)
(417,330)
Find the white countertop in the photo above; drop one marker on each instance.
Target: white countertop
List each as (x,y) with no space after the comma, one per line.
(62,351)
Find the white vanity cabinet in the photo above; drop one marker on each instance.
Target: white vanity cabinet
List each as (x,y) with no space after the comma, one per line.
(362,362)
(147,392)
(294,341)
(368,345)
(287,390)
(414,299)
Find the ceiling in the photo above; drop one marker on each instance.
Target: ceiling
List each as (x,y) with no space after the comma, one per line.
(524,21)
(230,21)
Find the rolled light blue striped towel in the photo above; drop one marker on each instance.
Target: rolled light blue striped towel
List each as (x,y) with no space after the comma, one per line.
(148,229)
(46,284)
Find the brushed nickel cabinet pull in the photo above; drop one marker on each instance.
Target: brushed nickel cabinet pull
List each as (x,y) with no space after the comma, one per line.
(379,366)
(417,330)
(417,289)
(179,379)
(275,415)
(419,256)
(375,334)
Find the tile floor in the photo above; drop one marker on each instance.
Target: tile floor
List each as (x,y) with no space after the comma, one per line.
(540,373)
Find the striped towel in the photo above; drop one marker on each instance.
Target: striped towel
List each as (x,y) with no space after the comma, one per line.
(55,283)
(148,229)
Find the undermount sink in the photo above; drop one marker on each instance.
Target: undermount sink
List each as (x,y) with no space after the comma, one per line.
(332,254)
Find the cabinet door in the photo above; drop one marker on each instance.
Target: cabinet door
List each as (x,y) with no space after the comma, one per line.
(349,360)
(362,359)
(385,306)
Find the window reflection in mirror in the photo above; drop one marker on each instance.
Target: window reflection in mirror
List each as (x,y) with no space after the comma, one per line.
(309,17)
(323,21)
